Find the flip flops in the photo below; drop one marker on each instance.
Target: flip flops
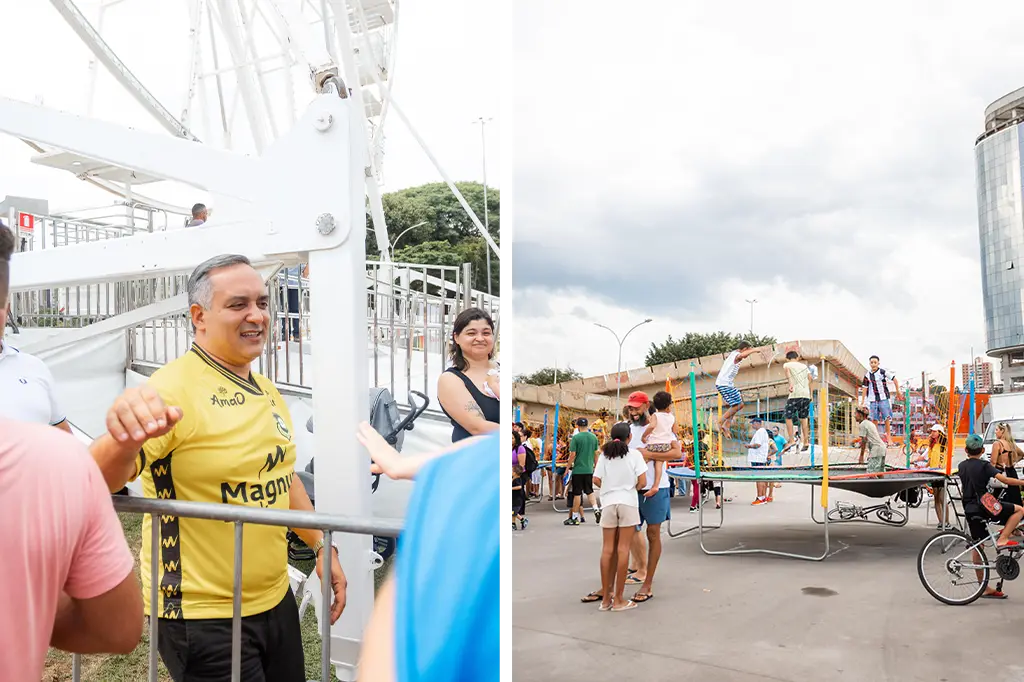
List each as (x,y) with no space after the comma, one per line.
(629,605)
(640,598)
(994,595)
(592,597)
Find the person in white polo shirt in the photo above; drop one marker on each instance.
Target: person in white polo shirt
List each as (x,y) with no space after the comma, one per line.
(26,386)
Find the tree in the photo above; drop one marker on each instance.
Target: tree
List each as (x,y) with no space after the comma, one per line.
(697,345)
(445,222)
(546,376)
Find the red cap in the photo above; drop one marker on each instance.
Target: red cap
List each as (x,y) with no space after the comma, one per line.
(638,399)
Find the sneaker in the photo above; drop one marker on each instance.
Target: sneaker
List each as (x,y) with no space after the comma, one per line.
(524,523)
(694,510)
(570,522)
(718,506)
(597,516)
(758,501)
(514,526)
(583,519)
(769,499)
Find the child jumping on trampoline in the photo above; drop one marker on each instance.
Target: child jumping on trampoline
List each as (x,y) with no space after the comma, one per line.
(658,436)
(726,382)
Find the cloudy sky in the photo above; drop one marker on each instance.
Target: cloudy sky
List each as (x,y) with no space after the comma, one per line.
(445,77)
(673,163)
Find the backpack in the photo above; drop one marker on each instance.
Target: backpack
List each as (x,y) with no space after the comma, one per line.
(531,461)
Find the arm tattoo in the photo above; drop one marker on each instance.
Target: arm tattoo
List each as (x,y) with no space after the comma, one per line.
(474,409)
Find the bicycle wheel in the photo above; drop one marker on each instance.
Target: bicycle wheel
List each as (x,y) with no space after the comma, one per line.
(950,571)
(891,515)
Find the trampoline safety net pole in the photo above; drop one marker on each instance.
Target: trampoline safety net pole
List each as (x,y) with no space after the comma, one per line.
(823,430)
(906,422)
(950,434)
(693,415)
(721,456)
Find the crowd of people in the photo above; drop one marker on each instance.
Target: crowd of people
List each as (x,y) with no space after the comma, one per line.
(70,581)
(623,478)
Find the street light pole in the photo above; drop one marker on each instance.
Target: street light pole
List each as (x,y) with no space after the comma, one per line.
(483,155)
(618,371)
(751,302)
(401,234)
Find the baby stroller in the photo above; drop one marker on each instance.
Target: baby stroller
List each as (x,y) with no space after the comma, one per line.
(385,418)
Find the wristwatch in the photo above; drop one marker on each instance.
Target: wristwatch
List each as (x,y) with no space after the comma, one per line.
(318,545)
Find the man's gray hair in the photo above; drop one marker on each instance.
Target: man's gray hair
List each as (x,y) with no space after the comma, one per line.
(200,289)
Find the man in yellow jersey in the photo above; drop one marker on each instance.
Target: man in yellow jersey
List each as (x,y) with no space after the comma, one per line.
(233,444)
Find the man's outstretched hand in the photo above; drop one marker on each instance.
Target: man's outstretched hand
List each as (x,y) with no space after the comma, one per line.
(139,414)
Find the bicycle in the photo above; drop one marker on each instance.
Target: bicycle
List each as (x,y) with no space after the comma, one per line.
(959,554)
(848,511)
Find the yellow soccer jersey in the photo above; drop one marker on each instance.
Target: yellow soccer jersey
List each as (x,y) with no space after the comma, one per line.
(233,445)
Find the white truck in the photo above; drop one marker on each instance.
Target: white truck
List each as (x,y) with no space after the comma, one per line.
(1003,408)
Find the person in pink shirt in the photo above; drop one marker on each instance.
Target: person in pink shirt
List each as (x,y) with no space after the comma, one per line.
(68,578)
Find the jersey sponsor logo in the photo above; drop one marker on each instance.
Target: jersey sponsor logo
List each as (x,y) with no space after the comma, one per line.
(265,494)
(225,400)
(273,459)
(282,428)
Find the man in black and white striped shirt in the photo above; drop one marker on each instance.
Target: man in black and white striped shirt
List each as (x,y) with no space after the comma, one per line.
(876,383)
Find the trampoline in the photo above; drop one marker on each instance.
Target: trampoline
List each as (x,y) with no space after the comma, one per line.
(851,477)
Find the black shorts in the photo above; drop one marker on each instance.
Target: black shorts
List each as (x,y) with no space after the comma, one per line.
(582,484)
(798,408)
(200,650)
(976,520)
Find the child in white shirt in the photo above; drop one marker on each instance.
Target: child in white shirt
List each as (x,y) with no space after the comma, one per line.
(620,473)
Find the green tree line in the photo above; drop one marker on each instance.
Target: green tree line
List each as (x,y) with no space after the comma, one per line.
(697,345)
(441,233)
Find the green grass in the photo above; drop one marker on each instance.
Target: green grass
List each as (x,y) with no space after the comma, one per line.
(134,667)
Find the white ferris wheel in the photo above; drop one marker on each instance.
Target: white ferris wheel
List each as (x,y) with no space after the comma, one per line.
(237,74)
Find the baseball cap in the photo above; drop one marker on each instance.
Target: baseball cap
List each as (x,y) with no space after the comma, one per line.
(755,420)
(637,399)
(974,441)
(582,421)
(938,427)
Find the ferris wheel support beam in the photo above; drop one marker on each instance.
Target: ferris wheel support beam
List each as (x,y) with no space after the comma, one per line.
(307,194)
(351,73)
(248,86)
(386,93)
(85,31)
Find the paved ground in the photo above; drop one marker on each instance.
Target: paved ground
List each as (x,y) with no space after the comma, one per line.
(861,615)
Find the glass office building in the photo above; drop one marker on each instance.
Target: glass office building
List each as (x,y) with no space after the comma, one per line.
(998,155)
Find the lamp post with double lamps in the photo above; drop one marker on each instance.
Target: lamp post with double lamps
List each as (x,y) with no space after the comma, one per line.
(618,371)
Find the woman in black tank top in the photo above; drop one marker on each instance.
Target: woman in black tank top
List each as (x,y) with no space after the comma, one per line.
(1005,455)
(462,389)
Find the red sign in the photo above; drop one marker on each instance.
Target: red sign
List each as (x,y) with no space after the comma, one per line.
(26,221)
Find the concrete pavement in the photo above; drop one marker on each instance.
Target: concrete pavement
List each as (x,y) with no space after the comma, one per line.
(861,615)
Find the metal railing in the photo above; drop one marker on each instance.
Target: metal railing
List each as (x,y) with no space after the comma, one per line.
(239,516)
(410,310)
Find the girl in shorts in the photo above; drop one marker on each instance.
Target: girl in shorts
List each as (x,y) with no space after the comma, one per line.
(619,473)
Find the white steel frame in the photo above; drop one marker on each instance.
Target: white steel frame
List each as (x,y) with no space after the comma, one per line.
(302,199)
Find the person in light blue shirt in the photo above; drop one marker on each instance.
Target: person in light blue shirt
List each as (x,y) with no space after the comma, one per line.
(780,444)
(437,618)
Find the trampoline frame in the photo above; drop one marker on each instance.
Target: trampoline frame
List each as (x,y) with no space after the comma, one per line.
(776,478)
